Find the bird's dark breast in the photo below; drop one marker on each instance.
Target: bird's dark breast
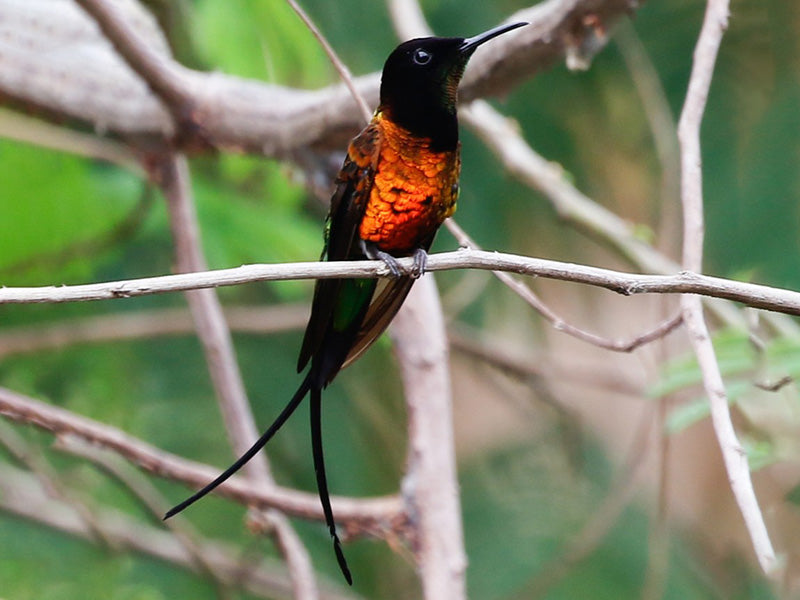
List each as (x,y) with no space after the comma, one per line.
(414,190)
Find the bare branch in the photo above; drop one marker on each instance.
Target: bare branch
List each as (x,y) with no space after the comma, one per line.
(20,495)
(26,129)
(50,481)
(734,455)
(152,64)
(430,487)
(686,282)
(375,516)
(147,495)
(498,355)
(341,68)
(132,325)
(659,117)
(63,67)
(220,356)
(528,295)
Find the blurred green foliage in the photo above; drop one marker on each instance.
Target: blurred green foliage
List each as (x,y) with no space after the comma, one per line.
(62,220)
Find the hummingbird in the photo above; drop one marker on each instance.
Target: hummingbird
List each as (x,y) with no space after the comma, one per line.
(398,184)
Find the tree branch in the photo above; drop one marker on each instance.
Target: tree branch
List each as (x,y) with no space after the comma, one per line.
(733,454)
(63,67)
(376,517)
(528,295)
(127,325)
(752,294)
(149,497)
(19,494)
(220,357)
(430,486)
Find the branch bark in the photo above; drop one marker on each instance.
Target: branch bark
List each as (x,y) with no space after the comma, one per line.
(430,487)
(687,282)
(220,355)
(375,516)
(63,67)
(733,454)
(20,495)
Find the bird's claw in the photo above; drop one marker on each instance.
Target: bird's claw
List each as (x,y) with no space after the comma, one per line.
(374,253)
(417,271)
(391,263)
(420,262)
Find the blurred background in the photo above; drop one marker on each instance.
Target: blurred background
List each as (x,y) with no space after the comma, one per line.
(584,473)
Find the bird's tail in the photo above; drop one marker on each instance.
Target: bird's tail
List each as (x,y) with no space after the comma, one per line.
(253,450)
(322,481)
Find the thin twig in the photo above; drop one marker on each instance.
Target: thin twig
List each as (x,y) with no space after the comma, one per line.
(340,67)
(658,539)
(23,128)
(166,322)
(662,125)
(529,296)
(144,324)
(734,455)
(662,128)
(497,354)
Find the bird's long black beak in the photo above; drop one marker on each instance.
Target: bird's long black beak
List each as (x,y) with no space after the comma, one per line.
(469,44)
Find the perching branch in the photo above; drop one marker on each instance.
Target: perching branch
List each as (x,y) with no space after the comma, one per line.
(751,294)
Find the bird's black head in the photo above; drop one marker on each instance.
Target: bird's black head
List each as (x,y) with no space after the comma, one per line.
(420,80)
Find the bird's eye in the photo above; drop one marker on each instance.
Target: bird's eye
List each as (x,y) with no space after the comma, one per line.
(422,57)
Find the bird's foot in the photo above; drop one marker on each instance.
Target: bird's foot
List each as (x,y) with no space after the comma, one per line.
(371,251)
(420,262)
